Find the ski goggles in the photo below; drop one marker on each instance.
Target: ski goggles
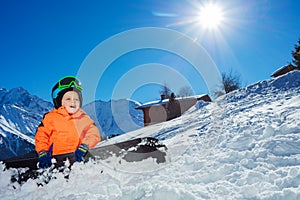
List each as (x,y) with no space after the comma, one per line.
(67,82)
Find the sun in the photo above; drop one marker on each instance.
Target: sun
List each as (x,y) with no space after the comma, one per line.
(211,16)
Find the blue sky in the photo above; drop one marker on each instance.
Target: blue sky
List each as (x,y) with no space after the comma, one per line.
(42,41)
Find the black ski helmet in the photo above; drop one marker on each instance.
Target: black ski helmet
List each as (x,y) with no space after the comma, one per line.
(66,84)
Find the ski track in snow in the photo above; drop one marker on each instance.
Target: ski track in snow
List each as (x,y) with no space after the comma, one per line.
(245,145)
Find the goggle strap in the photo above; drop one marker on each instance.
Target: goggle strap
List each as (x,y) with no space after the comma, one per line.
(55,92)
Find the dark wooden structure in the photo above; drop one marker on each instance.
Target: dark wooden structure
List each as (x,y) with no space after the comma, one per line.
(283,70)
(167,109)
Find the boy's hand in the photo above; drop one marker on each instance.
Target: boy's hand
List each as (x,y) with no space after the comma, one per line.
(80,152)
(44,159)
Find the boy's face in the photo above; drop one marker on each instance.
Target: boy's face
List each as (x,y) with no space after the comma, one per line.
(71,101)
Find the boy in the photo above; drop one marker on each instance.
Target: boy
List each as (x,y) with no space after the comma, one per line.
(65,130)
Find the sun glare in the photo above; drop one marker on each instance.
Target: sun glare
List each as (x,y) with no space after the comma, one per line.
(210,16)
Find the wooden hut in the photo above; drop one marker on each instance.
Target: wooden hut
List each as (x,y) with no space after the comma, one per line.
(167,109)
(283,70)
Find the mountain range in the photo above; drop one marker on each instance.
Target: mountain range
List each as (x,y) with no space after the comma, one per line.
(22,112)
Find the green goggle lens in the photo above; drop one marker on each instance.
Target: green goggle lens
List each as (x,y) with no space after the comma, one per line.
(69,81)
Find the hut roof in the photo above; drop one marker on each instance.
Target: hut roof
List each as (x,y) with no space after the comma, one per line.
(166,101)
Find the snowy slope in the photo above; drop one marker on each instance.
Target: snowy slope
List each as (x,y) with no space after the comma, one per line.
(245,145)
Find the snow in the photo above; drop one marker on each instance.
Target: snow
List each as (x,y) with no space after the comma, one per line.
(20,115)
(166,101)
(7,127)
(244,145)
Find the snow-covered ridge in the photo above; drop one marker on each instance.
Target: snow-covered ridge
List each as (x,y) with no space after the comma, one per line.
(20,115)
(4,125)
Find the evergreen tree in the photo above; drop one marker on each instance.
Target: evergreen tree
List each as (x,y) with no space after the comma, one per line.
(296,55)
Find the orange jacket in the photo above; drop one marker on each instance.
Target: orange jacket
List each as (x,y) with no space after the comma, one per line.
(66,132)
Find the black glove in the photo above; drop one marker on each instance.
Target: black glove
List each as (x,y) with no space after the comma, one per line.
(45,159)
(80,152)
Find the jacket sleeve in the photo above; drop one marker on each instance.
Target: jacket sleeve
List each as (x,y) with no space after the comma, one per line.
(42,136)
(91,135)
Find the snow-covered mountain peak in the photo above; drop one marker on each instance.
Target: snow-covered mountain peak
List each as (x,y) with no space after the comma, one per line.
(20,115)
(15,96)
(23,99)
(115,117)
